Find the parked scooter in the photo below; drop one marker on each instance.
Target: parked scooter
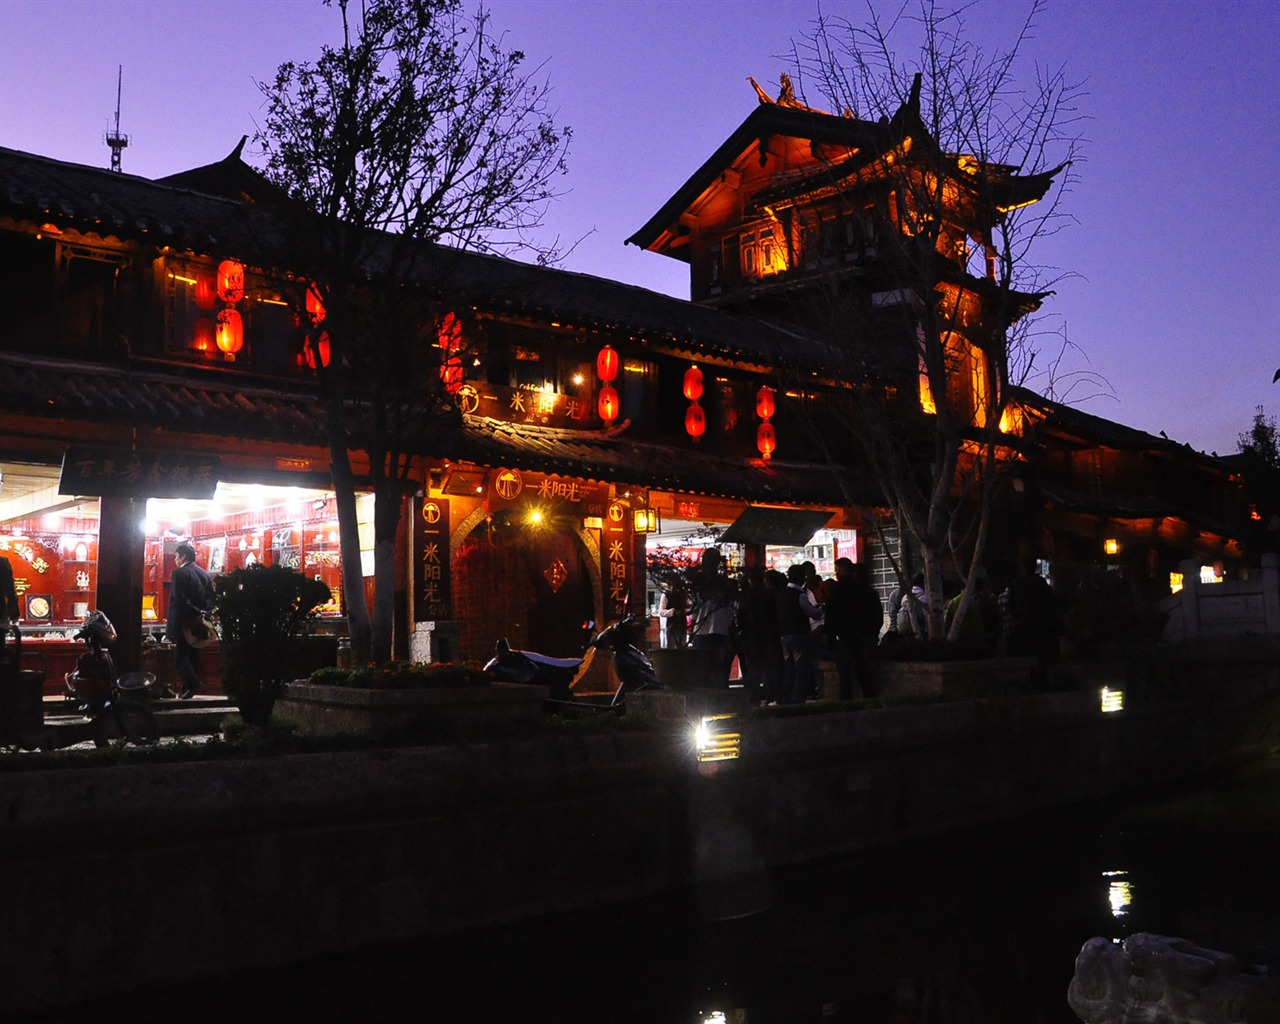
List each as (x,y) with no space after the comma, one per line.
(115,704)
(635,670)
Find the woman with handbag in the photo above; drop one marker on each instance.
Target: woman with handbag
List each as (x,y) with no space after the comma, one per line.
(190,600)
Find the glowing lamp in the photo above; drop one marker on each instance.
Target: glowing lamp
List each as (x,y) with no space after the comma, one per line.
(317,347)
(645,520)
(693,383)
(607,404)
(452,375)
(229,332)
(766,441)
(1111,546)
(695,421)
(765,406)
(315,308)
(230,281)
(449,332)
(607,367)
(206,292)
(202,340)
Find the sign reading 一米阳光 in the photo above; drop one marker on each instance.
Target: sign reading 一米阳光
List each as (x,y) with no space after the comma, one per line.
(431,596)
(137,473)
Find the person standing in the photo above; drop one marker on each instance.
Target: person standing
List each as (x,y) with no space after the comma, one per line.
(674,609)
(796,612)
(853,620)
(714,608)
(190,598)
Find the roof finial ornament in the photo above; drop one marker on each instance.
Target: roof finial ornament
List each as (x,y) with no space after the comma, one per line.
(765,98)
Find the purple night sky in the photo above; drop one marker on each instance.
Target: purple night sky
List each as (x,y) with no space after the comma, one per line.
(1176,205)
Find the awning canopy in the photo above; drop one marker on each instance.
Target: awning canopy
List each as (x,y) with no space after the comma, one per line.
(764,524)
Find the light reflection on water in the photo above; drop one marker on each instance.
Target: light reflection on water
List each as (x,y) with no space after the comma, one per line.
(981,928)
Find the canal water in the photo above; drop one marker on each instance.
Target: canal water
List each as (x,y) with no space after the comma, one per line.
(978,928)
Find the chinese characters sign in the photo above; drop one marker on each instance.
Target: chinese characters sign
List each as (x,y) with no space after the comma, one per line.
(617,561)
(431,594)
(130,473)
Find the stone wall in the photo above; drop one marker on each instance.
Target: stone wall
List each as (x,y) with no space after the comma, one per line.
(123,877)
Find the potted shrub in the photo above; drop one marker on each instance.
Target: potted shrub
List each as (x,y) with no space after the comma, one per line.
(263,611)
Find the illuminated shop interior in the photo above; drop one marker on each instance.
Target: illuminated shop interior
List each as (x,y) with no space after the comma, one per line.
(51,541)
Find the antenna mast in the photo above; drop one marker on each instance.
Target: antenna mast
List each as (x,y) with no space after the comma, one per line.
(114,139)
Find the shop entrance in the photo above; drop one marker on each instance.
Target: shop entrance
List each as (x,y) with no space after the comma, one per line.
(529,584)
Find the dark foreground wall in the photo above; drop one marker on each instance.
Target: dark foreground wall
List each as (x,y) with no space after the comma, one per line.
(117,878)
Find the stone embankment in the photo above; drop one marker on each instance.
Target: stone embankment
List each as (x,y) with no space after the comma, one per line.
(117,878)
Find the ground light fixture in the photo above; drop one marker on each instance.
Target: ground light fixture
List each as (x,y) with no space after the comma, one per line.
(713,740)
(1111,700)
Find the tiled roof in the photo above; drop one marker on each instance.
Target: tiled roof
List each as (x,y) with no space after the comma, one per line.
(1096,429)
(615,458)
(98,201)
(191,402)
(197,401)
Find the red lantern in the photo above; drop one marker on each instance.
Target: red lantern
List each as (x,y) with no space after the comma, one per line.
(608,404)
(315,308)
(449,333)
(231,281)
(766,441)
(452,375)
(695,421)
(607,365)
(206,292)
(317,346)
(230,332)
(764,403)
(203,338)
(693,383)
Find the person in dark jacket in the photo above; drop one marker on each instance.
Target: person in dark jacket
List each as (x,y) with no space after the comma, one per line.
(854,616)
(795,613)
(190,598)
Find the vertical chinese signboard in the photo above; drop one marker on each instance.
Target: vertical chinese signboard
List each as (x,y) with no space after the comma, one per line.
(617,561)
(432,591)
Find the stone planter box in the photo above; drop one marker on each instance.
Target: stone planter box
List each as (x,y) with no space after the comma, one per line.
(984,677)
(323,710)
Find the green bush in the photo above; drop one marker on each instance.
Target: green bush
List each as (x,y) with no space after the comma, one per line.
(403,675)
(263,610)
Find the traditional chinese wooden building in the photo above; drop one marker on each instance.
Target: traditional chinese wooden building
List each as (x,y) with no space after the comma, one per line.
(157,388)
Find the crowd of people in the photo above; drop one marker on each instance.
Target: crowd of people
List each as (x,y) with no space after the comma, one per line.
(779,625)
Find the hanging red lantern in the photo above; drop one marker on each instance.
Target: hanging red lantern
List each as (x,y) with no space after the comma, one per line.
(315,307)
(449,333)
(766,440)
(764,403)
(230,332)
(206,292)
(231,281)
(202,340)
(452,375)
(695,421)
(607,365)
(693,383)
(607,404)
(317,346)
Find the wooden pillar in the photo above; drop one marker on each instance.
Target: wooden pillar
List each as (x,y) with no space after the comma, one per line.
(121,556)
